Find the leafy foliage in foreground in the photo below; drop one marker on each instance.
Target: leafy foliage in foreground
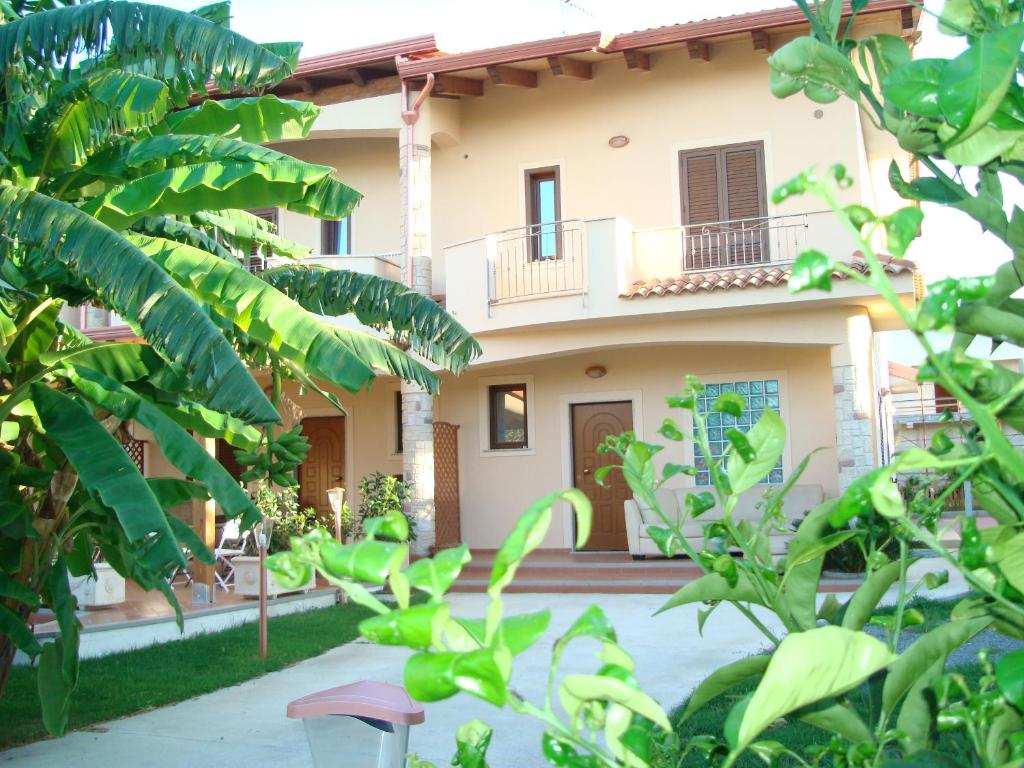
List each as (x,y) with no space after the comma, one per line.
(117,192)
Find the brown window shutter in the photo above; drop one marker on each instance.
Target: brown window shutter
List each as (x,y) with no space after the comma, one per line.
(743,192)
(719,185)
(702,201)
(256,262)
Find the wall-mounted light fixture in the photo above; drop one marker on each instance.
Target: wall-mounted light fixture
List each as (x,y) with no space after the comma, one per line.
(618,142)
(596,371)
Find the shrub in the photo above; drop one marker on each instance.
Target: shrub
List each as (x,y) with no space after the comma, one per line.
(282,506)
(380,494)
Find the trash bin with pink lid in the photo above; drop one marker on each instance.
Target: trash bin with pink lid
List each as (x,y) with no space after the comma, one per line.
(360,725)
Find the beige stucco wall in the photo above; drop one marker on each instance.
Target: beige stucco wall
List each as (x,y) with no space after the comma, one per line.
(370,165)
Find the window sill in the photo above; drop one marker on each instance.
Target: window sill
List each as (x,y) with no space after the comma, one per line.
(494,452)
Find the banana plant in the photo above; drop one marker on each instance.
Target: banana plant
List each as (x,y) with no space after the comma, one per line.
(123,186)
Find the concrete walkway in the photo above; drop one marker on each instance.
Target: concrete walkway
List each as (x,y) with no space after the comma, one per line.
(245,725)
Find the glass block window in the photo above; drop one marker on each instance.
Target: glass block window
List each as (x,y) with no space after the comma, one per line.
(758,394)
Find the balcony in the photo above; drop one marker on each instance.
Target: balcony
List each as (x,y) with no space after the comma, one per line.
(541,260)
(914,410)
(603,268)
(387,264)
(729,245)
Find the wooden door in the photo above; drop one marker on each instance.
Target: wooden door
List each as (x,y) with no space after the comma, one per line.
(591,424)
(324,466)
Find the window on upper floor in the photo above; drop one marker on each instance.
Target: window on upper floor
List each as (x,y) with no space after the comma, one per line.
(757,394)
(544,212)
(506,406)
(258,254)
(93,316)
(722,192)
(336,237)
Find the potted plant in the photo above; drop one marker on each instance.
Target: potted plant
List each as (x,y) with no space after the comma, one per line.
(289,520)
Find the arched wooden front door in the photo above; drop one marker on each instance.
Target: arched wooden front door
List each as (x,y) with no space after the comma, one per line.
(324,466)
(591,424)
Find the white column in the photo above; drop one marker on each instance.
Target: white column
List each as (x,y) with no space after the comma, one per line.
(417,404)
(853,398)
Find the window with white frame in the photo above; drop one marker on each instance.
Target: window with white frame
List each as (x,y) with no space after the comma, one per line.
(758,394)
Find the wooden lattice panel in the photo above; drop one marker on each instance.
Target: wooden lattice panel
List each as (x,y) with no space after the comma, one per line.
(447,525)
(136,450)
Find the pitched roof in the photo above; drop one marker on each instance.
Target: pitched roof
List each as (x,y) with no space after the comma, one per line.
(415,57)
(593,41)
(742,278)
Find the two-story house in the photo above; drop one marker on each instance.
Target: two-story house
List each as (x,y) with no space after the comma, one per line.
(596,210)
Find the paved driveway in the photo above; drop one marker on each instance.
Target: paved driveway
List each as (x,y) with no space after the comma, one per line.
(245,725)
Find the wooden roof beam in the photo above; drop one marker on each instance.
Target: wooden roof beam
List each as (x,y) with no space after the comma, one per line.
(520,78)
(907,23)
(305,85)
(336,94)
(355,76)
(637,60)
(761,40)
(451,85)
(698,49)
(562,66)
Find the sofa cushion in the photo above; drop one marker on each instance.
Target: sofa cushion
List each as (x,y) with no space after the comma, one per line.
(667,500)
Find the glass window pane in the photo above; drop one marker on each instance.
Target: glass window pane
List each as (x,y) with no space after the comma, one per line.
(96,317)
(343,238)
(508,411)
(756,395)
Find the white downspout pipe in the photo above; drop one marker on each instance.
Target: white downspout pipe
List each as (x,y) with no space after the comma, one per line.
(409,116)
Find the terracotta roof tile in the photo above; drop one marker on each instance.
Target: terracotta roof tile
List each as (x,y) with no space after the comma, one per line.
(741,278)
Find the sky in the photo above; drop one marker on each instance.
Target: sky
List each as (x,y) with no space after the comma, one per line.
(951,243)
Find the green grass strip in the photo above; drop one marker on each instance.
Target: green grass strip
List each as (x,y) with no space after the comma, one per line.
(130,682)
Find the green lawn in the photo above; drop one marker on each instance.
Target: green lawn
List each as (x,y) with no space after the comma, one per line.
(126,683)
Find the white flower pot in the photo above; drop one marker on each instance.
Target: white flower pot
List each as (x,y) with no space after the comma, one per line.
(106,588)
(247,579)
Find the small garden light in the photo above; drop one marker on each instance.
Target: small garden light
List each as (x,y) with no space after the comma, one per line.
(263,530)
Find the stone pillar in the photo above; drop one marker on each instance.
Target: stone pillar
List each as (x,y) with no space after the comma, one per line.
(417,404)
(204,523)
(853,399)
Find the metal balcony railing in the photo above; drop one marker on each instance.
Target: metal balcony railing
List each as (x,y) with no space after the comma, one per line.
(536,261)
(744,242)
(919,410)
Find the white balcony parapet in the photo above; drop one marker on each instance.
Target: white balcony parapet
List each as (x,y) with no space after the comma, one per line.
(536,261)
(735,244)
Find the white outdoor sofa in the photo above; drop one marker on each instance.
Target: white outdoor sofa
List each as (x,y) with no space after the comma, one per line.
(800,500)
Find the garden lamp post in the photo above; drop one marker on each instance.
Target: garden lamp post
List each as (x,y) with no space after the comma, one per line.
(336,498)
(263,531)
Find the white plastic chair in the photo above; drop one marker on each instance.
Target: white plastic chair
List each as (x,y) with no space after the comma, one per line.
(231,532)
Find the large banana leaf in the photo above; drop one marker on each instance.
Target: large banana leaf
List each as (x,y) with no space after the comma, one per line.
(242,230)
(342,357)
(172,229)
(59,243)
(407,316)
(254,118)
(105,470)
(86,113)
(177,445)
(161,42)
(292,184)
(141,368)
